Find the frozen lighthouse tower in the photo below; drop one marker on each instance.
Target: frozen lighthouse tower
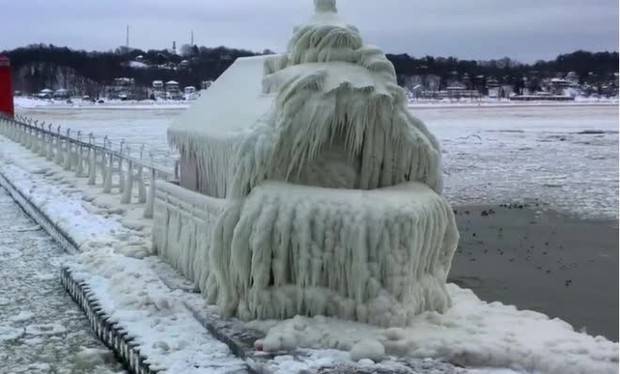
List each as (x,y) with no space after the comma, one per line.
(307,188)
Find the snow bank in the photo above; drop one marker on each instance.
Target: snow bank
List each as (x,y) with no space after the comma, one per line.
(471,333)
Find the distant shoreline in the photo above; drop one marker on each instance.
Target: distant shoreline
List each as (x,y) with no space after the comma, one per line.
(412,105)
(534,104)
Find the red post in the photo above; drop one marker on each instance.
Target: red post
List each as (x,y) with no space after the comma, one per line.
(6,88)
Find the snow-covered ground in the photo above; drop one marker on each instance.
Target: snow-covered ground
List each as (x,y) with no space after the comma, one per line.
(564,155)
(41,329)
(490,155)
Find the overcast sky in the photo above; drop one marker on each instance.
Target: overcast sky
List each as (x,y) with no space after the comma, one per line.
(525,30)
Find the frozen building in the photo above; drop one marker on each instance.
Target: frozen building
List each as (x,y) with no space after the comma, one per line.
(306,187)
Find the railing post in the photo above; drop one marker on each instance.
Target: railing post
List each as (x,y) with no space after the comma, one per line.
(79,168)
(126,198)
(33,140)
(92,161)
(50,145)
(67,153)
(58,146)
(141,187)
(43,142)
(107,179)
(150,202)
(121,173)
(22,134)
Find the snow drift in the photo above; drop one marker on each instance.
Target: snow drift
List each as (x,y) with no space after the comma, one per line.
(316,192)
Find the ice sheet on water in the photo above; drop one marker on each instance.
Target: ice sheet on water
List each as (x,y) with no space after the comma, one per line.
(41,328)
(566,156)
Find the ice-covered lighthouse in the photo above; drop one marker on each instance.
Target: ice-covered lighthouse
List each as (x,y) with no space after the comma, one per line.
(306,187)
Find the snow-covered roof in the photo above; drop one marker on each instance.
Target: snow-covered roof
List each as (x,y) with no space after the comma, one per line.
(233,102)
(172,82)
(137,65)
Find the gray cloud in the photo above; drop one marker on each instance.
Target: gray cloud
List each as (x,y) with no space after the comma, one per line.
(474,29)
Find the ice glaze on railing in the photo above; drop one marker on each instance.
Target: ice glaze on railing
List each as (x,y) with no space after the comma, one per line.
(115,164)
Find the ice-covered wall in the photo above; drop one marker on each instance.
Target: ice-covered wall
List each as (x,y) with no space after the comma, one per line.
(319,192)
(379,256)
(182,228)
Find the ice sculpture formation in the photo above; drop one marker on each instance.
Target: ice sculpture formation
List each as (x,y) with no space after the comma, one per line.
(319,192)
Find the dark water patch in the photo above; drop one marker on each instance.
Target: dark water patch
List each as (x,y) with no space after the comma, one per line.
(525,255)
(596,132)
(507,131)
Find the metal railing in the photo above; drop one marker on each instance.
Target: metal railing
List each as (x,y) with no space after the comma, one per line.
(113,165)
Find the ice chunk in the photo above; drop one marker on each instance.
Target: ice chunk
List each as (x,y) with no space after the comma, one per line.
(368,349)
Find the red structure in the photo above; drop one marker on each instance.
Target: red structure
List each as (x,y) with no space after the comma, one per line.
(6,88)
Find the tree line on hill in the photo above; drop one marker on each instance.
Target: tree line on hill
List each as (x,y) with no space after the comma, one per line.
(40,66)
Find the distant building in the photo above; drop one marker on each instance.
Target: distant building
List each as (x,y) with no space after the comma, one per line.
(493,88)
(45,93)
(458,92)
(190,93)
(205,84)
(122,88)
(157,90)
(172,90)
(558,86)
(62,94)
(573,78)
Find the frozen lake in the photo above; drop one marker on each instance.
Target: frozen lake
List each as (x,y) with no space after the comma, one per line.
(564,156)
(41,329)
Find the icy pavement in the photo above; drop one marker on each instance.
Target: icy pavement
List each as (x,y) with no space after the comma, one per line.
(41,329)
(566,156)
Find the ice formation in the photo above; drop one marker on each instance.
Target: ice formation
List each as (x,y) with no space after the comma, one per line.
(313,190)
(329,100)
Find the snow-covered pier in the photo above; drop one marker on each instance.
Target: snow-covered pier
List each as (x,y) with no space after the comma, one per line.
(307,220)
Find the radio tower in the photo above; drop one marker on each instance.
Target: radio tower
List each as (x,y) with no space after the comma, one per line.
(127,38)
